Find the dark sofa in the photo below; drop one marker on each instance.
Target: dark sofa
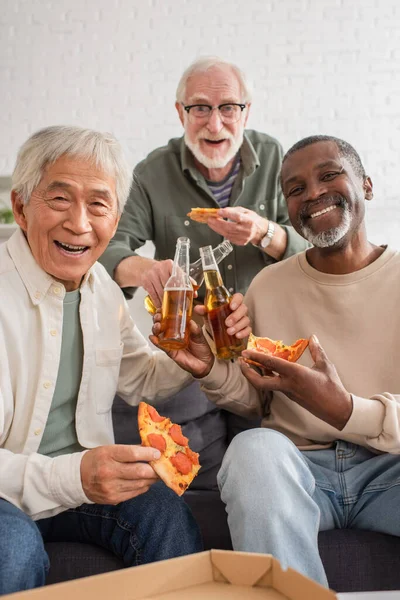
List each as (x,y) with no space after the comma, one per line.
(354,560)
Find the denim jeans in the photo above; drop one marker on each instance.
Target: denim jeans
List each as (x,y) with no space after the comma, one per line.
(278,498)
(153,526)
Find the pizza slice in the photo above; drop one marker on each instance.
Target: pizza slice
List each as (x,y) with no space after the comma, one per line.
(201,215)
(178,465)
(275,348)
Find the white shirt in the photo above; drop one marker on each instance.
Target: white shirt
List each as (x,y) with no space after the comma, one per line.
(117,359)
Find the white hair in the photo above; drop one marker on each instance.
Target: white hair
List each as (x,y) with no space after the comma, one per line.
(201,65)
(47,145)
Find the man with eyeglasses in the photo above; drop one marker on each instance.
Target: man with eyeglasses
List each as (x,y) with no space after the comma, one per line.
(216,164)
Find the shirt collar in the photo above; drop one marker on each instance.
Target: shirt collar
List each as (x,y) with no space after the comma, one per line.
(37,282)
(248,156)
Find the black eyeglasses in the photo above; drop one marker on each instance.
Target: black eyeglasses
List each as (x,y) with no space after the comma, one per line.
(229,112)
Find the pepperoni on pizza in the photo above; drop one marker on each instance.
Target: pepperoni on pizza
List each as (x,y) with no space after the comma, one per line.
(178,465)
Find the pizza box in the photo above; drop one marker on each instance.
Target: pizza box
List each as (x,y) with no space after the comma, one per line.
(211,575)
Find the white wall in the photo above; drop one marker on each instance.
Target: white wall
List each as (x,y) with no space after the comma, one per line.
(318,66)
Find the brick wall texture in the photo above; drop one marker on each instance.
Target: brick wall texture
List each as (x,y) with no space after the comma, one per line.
(317,66)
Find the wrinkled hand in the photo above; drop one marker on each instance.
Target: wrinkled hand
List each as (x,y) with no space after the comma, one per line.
(244,226)
(113,474)
(154,279)
(318,389)
(197,358)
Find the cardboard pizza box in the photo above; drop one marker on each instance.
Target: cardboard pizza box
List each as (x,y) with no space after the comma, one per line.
(211,575)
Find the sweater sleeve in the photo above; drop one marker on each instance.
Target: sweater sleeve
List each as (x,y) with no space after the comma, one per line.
(377,421)
(226,387)
(134,229)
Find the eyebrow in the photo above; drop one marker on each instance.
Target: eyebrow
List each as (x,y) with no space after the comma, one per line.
(327,163)
(104,193)
(199,99)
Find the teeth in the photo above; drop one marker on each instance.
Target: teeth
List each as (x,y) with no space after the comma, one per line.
(322,212)
(71,247)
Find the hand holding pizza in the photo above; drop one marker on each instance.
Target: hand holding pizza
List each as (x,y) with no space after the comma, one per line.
(243,226)
(318,389)
(113,474)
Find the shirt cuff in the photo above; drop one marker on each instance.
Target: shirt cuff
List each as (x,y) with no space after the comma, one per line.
(65,480)
(367,417)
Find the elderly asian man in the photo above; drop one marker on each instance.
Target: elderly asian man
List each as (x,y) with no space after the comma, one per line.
(67,345)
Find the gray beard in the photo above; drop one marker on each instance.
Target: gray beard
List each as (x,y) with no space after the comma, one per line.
(327,239)
(214,163)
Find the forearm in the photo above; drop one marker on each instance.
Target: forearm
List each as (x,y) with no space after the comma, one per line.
(129,272)
(277,247)
(39,485)
(226,387)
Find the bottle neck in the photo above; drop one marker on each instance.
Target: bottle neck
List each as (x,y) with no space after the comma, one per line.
(181,259)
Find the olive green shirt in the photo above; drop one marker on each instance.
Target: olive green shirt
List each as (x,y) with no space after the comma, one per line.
(167,184)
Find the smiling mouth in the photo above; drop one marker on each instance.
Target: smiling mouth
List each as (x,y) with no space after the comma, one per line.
(71,248)
(323,211)
(214,142)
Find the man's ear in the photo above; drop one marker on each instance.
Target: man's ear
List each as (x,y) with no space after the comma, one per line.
(181,112)
(18,208)
(247,113)
(368,188)
(116,224)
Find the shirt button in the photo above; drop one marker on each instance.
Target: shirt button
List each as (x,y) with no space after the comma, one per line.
(186,223)
(262,206)
(38,295)
(53,332)
(231,290)
(37,431)
(46,385)
(230,267)
(57,291)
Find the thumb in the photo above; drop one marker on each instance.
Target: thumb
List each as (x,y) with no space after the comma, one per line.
(317,352)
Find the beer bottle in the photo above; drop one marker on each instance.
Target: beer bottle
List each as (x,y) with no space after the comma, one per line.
(177,301)
(217,304)
(196,272)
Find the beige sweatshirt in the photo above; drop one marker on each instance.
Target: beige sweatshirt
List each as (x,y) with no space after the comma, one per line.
(356,318)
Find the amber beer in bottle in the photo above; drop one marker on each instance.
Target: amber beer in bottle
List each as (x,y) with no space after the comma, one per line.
(217,304)
(196,272)
(177,301)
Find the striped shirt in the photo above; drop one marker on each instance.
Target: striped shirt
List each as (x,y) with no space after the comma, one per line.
(221,190)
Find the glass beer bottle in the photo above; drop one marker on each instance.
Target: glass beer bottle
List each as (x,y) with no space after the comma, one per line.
(177,301)
(217,304)
(196,272)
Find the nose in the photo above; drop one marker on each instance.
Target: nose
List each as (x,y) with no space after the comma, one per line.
(316,190)
(78,220)
(214,124)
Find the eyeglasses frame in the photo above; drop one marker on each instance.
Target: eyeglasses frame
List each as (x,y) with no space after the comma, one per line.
(241,106)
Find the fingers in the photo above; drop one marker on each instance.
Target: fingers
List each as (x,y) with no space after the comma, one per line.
(259,381)
(271,363)
(137,472)
(130,453)
(153,281)
(318,354)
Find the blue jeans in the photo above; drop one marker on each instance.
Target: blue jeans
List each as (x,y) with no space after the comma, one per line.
(153,526)
(278,498)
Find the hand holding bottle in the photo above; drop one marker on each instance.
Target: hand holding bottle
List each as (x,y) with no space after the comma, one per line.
(198,358)
(155,279)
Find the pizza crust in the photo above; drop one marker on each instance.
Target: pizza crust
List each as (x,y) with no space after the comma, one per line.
(201,215)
